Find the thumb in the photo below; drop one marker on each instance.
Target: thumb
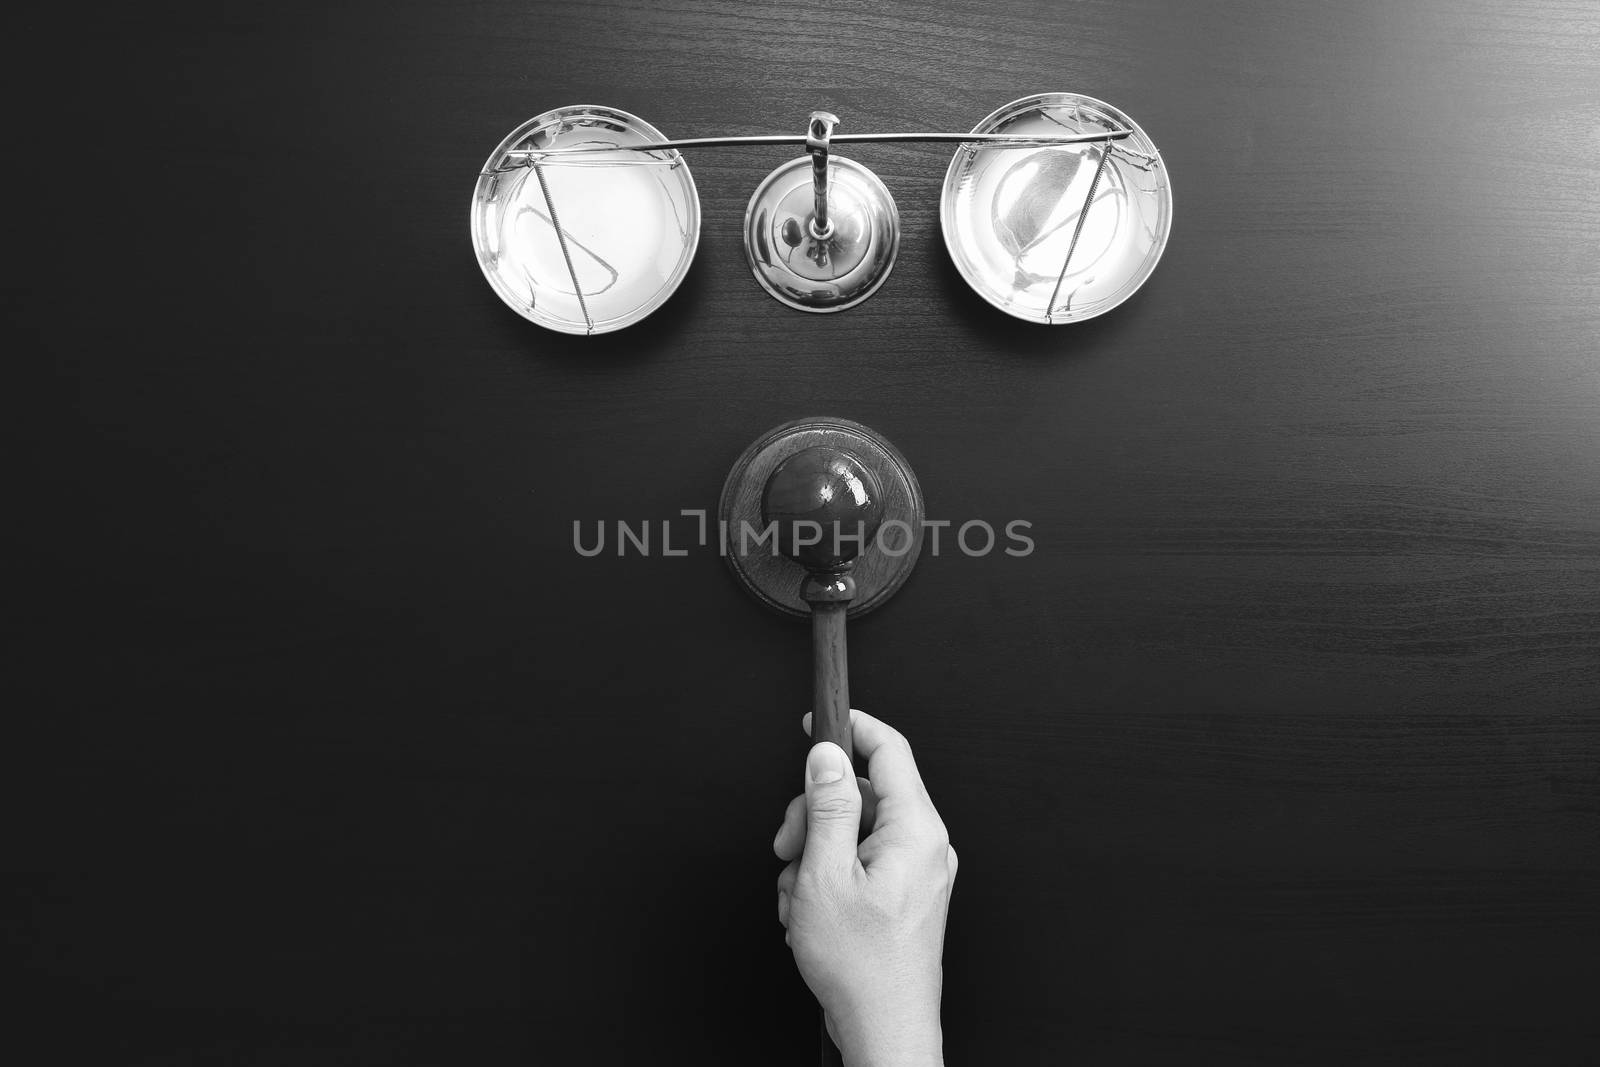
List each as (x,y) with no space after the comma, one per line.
(833,812)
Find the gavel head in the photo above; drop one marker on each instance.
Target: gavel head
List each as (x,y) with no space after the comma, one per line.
(826,505)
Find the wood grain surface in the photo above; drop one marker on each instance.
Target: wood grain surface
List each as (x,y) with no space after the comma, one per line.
(1283,745)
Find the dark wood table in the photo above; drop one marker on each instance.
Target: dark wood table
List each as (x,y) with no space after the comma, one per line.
(1282,747)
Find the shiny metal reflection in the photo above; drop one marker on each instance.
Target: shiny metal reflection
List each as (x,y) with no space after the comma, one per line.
(821,234)
(835,271)
(573,155)
(1059,233)
(591,248)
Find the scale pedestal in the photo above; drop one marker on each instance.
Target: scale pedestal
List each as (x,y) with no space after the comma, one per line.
(821,234)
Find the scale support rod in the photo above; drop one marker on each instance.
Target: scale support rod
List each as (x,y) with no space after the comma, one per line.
(992,140)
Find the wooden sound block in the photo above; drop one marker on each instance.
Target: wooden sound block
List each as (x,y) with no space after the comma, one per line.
(879,570)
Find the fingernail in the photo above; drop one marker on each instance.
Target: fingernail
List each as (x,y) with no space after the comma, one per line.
(826,763)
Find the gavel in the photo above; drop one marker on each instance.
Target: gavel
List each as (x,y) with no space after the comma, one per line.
(826,507)
(827,492)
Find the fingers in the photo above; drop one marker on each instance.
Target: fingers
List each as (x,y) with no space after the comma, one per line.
(790,873)
(791,839)
(786,881)
(833,814)
(890,768)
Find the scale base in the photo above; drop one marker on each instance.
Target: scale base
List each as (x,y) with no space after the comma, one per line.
(827,273)
(879,571)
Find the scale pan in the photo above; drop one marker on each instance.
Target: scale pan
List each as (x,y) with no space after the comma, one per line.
(585,244)
(1057,233)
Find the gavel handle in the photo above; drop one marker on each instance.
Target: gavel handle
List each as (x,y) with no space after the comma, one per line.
(830,681)
(830,713)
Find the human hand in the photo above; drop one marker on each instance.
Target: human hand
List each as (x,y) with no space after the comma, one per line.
(865,915)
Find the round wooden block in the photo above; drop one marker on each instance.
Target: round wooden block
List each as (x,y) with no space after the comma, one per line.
(887,561)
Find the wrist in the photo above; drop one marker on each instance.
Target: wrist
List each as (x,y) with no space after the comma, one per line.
(907,1038)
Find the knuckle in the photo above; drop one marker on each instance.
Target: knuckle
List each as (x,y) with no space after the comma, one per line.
(935,836)
(830,806)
